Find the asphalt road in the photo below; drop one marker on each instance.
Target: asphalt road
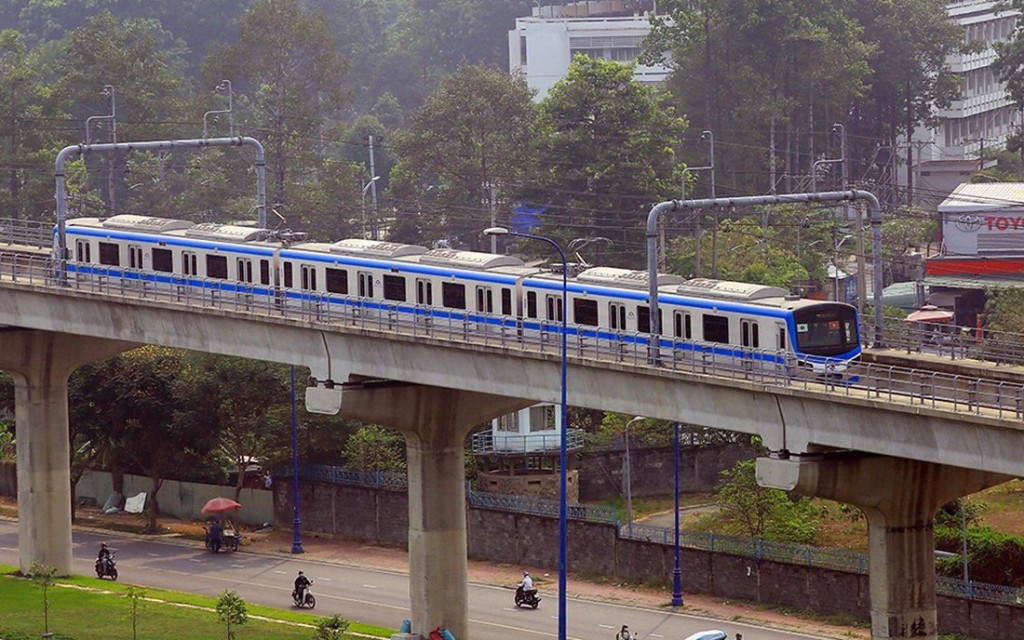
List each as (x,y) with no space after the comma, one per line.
(367,595)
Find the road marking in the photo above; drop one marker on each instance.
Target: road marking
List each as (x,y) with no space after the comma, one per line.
(323,578)
(278,571)
(370,586)
(656,635)
(238,566)
(194,560)
(153,555)
(606,626)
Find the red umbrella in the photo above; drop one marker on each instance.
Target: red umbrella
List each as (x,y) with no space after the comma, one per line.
(220,505)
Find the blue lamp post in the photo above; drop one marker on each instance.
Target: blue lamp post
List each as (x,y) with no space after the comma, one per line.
(296,521)
(563,440)
(677,574)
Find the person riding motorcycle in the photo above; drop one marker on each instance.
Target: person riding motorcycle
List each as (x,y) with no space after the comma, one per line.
(104,553)
(624,634)
(104,560)
(526,586)
(301,583)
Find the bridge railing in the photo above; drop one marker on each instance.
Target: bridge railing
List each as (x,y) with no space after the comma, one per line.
(766,367)
(951,341)
(28,233)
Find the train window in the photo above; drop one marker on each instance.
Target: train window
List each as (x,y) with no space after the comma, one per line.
(217,267)
(243,267)
(716,328)
(453,295)
(163,260)
(484,300)
(394,288)
(749,334)
(682,325)
(337,280)
(135,257)
(506,302)
(110,254)
(308,273)
(288,277)
(188,263)
(781,340)
(584,312)
(83,250)
(531,304)
(643,320)
(554,307)
(365,284)
(424,292)
(264,271)
(617,316)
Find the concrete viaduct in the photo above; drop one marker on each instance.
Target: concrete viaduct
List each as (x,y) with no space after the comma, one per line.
(895,460)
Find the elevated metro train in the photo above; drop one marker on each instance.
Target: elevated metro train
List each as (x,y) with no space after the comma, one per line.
(762,323)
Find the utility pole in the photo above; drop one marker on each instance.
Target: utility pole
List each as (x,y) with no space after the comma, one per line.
(493,196)
(373,193)
(710,137)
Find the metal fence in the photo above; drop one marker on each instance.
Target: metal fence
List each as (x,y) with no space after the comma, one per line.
(522,444)
(28,233)
(540,506)
(390,480)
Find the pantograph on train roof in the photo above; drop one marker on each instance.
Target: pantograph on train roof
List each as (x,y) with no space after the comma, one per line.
(226,232)
(707,287)
(468,259)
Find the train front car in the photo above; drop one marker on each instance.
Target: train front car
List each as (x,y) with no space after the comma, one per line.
(826,338)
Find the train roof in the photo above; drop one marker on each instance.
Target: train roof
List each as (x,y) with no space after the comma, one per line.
(729,290)
(375,248)
(131,222)
(468,259)
(617,277)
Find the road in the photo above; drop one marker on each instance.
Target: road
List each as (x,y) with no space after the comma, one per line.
(367,595)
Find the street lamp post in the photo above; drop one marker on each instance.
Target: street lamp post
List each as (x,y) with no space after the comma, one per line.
(563,440)
(628,476)
(677,573)
(362,204)
(296,521)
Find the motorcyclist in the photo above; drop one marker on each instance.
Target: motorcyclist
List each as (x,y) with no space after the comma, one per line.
(104,558)
(527,584)
(301,583)
(624,634)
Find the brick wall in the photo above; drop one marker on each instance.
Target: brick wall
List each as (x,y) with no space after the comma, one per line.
(595,549)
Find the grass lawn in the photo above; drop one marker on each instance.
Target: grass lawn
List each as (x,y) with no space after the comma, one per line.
(89,609)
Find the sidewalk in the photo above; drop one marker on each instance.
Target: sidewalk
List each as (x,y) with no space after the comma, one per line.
(321,548)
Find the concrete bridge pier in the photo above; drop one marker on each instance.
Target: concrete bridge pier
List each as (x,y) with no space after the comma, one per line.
(41,363)
(900,498)
(435,422)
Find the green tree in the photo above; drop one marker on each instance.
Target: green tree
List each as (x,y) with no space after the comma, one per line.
(287,65)
(605,150)
(752,71)
(137,599)
(231,610)
(43,577)
(234,398)
(374,448)
(331,628)
(474,132)
(757,512)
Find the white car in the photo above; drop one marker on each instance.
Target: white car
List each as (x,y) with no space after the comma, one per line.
(713,634)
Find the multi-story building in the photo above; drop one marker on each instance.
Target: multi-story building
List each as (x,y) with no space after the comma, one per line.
(983,116)
(542,44)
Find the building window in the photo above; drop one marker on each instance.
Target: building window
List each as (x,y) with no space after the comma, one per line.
(522,50)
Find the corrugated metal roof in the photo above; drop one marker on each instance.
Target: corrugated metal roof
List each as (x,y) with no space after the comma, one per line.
(984,196)
(975,282)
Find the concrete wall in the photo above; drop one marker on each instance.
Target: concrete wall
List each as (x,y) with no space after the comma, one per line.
(181,499)
(653,470)
(595,549)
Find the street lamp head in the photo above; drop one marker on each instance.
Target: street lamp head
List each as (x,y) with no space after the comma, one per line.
(224,85)
(837,127)
(496,231)
(706,135)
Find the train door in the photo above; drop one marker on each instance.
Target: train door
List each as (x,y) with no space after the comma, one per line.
(308,282)
(83,255)
(682,333)
(243,274)
(552,313)
(364,282)
(617,323)
(424,301)
(135,257)
(189,265)
(484,305)
(750,340)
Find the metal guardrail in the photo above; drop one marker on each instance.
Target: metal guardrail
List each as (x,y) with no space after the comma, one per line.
(768,368)
(521,444)
(29,233)
(952,341)
(540,506)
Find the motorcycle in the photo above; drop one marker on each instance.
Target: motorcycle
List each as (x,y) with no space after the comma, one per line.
(106,567)
(303,598)
(527,598)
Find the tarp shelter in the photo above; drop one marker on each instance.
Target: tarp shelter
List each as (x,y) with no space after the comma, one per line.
(929,313)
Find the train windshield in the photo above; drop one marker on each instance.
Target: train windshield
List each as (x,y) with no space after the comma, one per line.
(826,330)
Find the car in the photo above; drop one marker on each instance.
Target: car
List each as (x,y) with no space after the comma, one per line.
(713,634)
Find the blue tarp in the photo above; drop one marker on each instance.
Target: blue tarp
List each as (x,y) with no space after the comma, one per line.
(526,218)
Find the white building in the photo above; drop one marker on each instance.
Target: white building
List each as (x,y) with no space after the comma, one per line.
(542,45)
(983,116)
